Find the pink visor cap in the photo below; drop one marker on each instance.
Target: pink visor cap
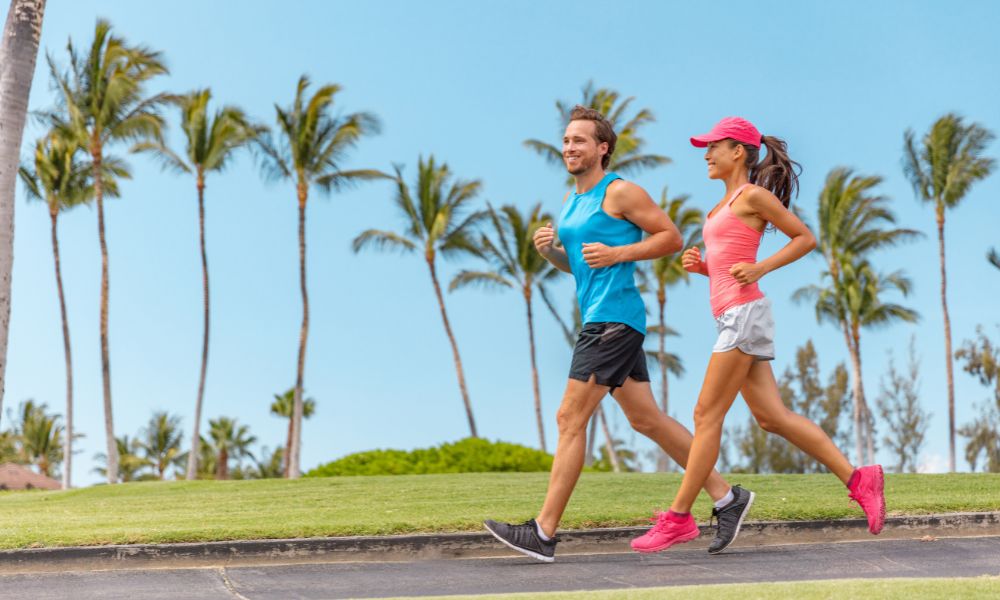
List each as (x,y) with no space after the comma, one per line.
(736,128)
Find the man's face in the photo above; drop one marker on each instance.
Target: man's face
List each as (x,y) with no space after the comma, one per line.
(581,152)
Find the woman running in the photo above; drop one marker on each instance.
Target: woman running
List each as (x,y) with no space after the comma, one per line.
(757,195)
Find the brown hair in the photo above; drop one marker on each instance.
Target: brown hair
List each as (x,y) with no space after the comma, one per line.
(777,173)
(603,132)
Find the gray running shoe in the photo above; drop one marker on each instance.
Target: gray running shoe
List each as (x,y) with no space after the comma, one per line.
(523,538)
(729,518)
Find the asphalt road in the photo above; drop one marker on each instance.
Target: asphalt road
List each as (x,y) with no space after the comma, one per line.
(945,557)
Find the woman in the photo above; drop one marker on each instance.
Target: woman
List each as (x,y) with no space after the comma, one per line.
(757,196)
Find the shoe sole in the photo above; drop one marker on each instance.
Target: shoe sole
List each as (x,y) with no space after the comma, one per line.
(881,513)
(739,524)
(680,540)
(524,551)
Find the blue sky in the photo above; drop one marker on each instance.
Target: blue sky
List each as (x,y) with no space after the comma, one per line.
(468,82)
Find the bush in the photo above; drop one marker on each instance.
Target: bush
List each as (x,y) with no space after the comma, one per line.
(471,455)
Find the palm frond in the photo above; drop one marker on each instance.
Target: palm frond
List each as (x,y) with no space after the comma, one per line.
(382,240)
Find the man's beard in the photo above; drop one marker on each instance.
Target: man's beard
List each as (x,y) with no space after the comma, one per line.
(584,167)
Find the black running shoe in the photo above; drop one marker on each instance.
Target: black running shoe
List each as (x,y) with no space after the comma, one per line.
(729,518)
(523,538)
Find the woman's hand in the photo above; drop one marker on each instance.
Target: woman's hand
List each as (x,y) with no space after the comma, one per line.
(691,261)
(747,273)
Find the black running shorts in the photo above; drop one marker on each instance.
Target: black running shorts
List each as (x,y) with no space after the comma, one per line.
(612,352)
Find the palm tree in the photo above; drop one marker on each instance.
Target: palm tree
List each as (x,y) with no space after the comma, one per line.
(311,147)
(516,265)
(628,158)
(211,141)
(666,272)
(162,441)
(993,257)
(853,222)
(435,223)
(18,52)
(103,103)
(229,440)
(40,435)
(854,302)
(942,171)
(58,178)
(283,406)
(130,461)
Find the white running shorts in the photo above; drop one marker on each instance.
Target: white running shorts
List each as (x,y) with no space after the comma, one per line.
(748,327)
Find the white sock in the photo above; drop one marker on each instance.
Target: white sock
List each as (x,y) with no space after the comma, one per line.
(725,499)
(541,533)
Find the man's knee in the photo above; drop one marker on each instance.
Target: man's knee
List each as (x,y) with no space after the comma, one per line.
(571,419)
(771,423)
(643,423)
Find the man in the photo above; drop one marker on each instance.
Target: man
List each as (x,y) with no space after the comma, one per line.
(601,229)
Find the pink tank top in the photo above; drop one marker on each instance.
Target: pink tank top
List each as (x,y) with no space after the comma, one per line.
(728,241)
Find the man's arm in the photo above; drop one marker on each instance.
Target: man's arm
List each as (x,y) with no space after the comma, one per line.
(625,200)
(545,237)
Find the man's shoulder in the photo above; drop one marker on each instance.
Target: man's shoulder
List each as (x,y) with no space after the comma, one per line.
(626,190)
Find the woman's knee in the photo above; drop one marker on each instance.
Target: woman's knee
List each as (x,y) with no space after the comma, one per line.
(707,418)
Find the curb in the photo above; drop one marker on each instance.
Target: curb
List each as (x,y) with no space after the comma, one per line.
(463,545)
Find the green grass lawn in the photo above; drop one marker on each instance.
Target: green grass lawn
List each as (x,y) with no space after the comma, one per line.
(182,511)
(883,589)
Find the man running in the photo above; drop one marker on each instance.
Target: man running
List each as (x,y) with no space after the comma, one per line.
(601,229)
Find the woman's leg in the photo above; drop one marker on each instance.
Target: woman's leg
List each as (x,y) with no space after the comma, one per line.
(636,400)
(724,377)
(761,394)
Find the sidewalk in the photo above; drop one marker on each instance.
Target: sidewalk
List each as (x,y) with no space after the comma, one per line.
(464,545)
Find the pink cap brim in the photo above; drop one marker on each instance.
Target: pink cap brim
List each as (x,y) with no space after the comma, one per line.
(701,141)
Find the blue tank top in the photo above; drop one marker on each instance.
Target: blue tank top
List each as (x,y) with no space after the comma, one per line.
(608,294)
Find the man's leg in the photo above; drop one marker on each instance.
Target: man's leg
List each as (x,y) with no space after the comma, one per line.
(535,537)
(579,402)
(636,400)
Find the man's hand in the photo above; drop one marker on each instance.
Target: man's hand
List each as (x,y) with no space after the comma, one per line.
(597,255)
(747,273)
(544,237)
(691,261)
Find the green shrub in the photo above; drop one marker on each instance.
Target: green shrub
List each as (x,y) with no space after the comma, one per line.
(471,455)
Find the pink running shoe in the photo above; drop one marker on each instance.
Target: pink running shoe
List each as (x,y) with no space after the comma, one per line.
(669,530)
(867,489)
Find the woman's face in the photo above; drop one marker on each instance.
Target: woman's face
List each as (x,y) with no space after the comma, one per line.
(723,157)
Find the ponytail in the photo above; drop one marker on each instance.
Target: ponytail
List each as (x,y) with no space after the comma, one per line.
(777,173)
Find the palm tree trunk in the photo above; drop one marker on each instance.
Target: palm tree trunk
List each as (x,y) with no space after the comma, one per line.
(661,298)
(18,51)
(293,459)
(609,444)
(534,368)
(288,448)
(222,469)
(109,427)
(68,444)
(588,459)
(949,368)
(192,466)
(454,346)
(859,411)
